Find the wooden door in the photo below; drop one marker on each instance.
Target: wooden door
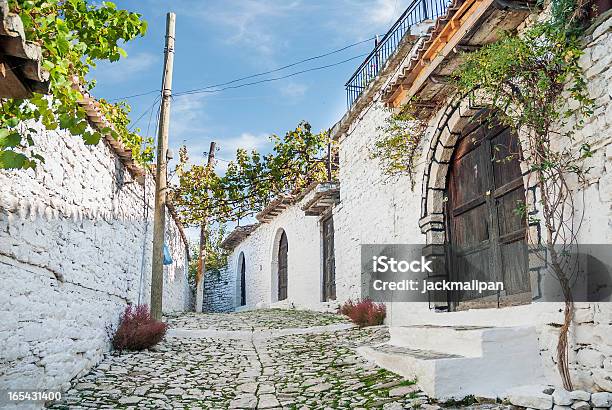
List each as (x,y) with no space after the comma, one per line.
(243,282)
(487,234)
(329,263)
(282,267)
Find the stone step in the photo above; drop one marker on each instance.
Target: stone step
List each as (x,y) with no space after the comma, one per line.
(469,341)
(464,340)
(454,362)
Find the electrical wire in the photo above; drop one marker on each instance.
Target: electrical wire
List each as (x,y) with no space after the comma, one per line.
(134,95)
(281,68)
(207,91)
(257,74)
(155,101)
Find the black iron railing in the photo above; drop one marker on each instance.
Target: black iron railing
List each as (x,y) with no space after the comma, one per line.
(417,12)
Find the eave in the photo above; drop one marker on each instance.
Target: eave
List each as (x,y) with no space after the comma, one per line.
(467,26)
(326,196)
(275,208)
(239,234)
(21,71)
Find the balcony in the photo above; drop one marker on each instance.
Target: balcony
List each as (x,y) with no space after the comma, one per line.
(417,12)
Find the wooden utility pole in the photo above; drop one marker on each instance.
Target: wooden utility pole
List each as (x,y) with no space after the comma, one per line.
(202,261)
(159,221)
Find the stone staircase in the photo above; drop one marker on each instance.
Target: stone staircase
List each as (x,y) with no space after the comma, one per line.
(457,361)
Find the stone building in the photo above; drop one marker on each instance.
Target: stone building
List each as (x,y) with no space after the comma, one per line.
(75,249)
(455,348)
(274,260)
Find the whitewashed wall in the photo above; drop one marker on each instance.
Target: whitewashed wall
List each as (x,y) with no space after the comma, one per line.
(591,350)
(304,262)
(372,211)
(75,249)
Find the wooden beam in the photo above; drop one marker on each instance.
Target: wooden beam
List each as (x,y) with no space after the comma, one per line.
(466,48)
(464,19)
(440,79)
(11,85)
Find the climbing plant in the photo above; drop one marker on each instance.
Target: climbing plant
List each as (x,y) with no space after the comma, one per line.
(252,179)
(533,82)
(142,147)
(73,35)
(397,148)
(216,256)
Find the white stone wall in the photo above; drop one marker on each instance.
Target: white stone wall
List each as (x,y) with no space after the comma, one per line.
(75,249)
(373,209)
(373,212)
(591,337)
(304,262)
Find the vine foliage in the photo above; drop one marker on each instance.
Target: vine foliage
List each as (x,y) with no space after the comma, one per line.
(534,84)
(252,179)
(398,147)
(73,35)
(216,256)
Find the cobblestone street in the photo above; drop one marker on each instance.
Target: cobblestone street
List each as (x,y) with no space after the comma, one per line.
(253,359)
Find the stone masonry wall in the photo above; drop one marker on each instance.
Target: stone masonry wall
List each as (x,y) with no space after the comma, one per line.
(75,249)
(219,291)
(591,337)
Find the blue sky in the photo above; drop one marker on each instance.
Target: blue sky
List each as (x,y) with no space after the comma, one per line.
(218,41)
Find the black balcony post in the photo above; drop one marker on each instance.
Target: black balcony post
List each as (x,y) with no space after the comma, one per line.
(424,3)
(376,58)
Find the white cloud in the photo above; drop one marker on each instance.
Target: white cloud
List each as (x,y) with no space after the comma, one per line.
(246,140)
(187,117)
(126,68)
(252,24)
(385,12)
(294,90)
(363,17)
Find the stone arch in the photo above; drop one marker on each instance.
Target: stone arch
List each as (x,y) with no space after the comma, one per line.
(275,265)
(454,118)
(240,297)
(458,115)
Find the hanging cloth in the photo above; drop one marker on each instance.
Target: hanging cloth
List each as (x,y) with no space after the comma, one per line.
(167,256)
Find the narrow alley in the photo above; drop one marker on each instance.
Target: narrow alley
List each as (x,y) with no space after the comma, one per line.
(257,359)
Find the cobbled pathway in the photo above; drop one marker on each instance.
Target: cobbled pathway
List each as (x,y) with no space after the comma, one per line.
(263,359)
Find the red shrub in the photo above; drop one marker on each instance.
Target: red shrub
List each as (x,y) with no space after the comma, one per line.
(365,312)
(138,330)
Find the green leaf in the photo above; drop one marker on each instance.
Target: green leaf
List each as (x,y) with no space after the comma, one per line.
(62,45)
(12,122)
(66,121)
(10,140)
(14,160)
(91,138)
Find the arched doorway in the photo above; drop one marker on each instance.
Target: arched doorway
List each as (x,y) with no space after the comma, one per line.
(283,248)
(242,278)
(484,225)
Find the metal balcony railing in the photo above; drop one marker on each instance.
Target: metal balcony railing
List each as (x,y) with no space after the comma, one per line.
(417,12)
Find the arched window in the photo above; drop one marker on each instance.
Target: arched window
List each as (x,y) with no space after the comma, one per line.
(242,278)
(283,248)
